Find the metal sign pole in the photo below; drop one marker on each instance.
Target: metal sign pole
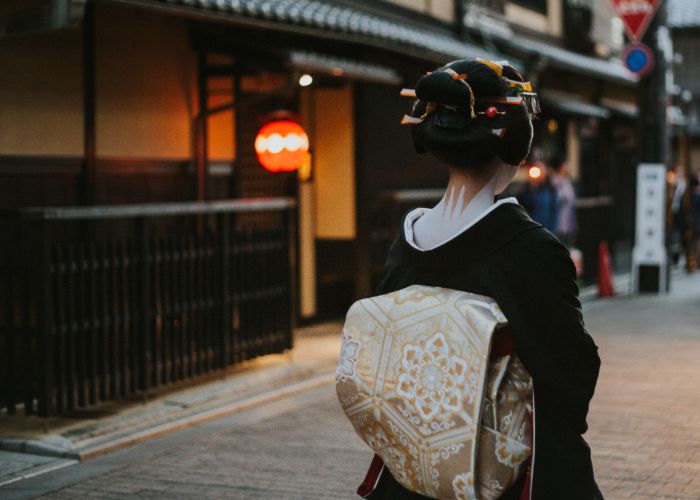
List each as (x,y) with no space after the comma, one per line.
(649,258)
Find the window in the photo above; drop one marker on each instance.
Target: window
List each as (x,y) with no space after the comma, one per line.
(536,5)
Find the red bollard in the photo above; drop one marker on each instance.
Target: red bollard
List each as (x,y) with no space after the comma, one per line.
(605,285)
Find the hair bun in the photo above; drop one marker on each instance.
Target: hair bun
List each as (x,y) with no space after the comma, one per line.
(455,129)
(440,87)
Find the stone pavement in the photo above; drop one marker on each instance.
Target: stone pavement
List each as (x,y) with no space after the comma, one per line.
(19,466)
(645,417)
(644,424)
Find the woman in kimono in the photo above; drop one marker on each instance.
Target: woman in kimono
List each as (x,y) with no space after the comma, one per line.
(475,116)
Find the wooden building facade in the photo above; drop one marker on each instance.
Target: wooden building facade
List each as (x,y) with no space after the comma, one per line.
(101,103)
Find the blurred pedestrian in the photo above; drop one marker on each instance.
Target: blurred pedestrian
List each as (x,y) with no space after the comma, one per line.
(566,197)
(678,221)
(695,213)
(539,197)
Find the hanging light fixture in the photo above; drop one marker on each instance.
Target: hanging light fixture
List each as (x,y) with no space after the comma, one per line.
(282,146)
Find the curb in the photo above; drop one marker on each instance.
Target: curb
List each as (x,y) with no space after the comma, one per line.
(621,284)
(35,447)
(48,449)
(166,428)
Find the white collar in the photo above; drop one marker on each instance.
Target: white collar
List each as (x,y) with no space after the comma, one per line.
(416,213)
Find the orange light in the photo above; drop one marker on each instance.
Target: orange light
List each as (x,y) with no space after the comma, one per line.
(282,146)
(534,172)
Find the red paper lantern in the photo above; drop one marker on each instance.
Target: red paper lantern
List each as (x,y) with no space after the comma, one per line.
(282,146)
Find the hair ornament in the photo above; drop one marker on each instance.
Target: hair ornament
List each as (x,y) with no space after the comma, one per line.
(503,100)
(523,94)
(518,86)
(491,112)
(522,89)
(411,120)
(498,68)
(532,103)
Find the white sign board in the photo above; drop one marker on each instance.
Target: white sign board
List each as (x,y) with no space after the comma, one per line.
(650,227)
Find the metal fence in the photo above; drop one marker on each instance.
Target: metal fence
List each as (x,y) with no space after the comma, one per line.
(98,303)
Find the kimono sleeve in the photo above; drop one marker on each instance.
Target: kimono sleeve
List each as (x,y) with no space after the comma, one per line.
(546,319)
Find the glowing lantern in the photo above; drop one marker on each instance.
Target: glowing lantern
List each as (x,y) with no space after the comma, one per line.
(282,146)
(535,172)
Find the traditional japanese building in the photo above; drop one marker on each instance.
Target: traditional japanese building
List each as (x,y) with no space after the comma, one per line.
(131,101)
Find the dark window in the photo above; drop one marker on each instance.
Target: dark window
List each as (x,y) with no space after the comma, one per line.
(536,5)
(493,5)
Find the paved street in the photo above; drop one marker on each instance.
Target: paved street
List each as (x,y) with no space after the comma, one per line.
(645,416)
(644,426)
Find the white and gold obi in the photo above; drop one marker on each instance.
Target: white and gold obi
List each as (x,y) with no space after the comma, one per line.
(417,381)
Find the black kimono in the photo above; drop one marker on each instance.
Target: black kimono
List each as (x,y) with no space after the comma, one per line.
(508,256)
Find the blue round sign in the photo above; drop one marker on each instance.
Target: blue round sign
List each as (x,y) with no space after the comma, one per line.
(638,58)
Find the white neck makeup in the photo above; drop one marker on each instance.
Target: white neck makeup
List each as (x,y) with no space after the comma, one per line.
(466,200)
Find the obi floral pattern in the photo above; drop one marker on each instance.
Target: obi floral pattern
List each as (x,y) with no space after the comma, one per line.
(463,487)
(348,358)
(415,380)
(431,377)
(511,452)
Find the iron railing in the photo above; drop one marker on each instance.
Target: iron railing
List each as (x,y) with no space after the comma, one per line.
(99,303)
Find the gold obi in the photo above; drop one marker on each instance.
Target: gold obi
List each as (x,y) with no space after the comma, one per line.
(416,381)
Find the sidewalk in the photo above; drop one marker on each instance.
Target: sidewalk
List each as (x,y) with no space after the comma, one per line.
(26,449)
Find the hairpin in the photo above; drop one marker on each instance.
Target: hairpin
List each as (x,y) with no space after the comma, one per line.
(518,86)
(532,102)
(493,65)
(491,112)
(411,120)
(503,100)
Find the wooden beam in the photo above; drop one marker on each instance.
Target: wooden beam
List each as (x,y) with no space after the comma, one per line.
(87,177)
(202,125)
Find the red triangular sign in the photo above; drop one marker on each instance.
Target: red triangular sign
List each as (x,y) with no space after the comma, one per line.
(636,15)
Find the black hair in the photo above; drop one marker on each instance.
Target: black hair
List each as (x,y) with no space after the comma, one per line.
(459,138)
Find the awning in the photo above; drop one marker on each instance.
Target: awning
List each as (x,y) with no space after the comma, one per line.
(348,68)
(607,69)
(572,105)
(621,109)
(492,29)
(326,19)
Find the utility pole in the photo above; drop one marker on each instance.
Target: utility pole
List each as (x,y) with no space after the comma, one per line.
(651,265)
(653,98)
